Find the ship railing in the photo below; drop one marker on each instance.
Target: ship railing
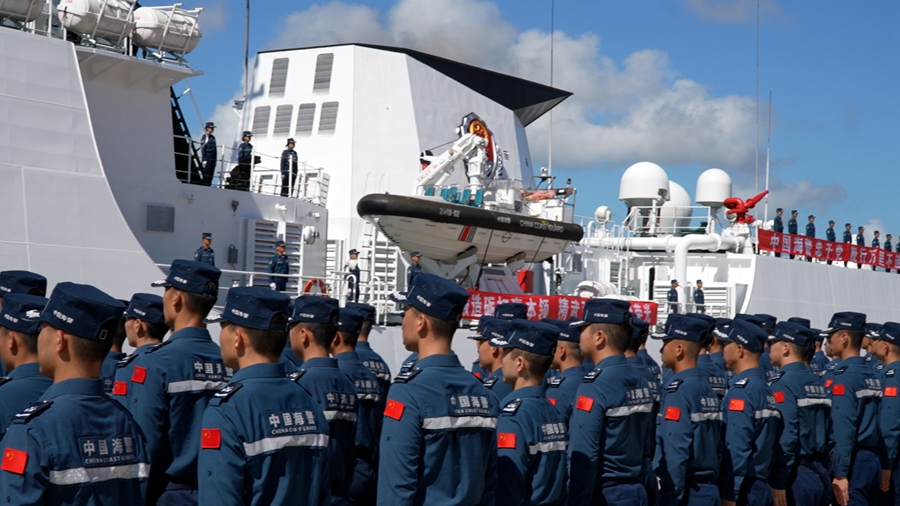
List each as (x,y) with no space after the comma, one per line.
(647,221)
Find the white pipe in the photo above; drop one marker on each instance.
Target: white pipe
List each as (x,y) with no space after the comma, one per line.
(635,243)
(711,242)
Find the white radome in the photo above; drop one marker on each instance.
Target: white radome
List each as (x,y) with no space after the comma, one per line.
(713,187)
(641,184)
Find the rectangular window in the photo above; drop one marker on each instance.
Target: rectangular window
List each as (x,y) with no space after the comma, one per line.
(328,118)
(322,82)
(283,120)
(279,77)
(261,120)
(306,114)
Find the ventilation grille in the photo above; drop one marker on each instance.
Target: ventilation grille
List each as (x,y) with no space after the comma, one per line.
(306,114)
(261,120)
(328,118)
(279,77)
(324,64)
(283,120)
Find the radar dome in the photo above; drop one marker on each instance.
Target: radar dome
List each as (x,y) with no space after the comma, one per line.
(713,187)
(675,215)
(602,214)
(642,183)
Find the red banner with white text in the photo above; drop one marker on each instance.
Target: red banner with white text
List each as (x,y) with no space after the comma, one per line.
(820,249)
(560,307)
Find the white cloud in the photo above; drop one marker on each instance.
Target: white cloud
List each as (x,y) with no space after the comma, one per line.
(215,15)
(805,196)
(333,23)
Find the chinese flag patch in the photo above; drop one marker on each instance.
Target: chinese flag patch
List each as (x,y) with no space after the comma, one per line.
(506,440)
(779,396)
(736,405)
(552,401)
(584,403)
(120,388)
(394,409)
(828,383)
(14,461)
(890,391)
(673,413)
(838,390)
(139,374)
(477,375)
(210,439)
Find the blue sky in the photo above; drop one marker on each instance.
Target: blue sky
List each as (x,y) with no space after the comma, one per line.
(667,81)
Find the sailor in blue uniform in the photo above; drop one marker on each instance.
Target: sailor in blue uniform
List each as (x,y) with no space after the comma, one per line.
(672,297)
(369,357)
(26,282)
(805,409)
(887,349)
(490,359)
(750,419)
(876,243)
(313,326)
(713,371)
(111,362)
(438,443)
(278,264)
(173,382)
(414,268)
(531,433)
(353,278)
(860,241)
(792,226)
(699,299)
(854,413)
(848,237)
(261,427)
(569,361)
(480,340)
(873,330)
(766,323)
(819,361)
(368,394)
(607,431)
(240,175)
(888,246)
(205,253)
(688,438)
(288,168)
(19,354)
(811,231)
(208,153)
(640,332)
(829,234)
(778,225)
(65,448)
(145,327)
(511,311)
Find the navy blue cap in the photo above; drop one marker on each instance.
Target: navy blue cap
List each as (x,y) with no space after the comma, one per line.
(803,322)
(253,307)
(190,276)
(82,310)
(21,312)
(612,311)
(146,307)
(353,251)
(435,296)
(768,321)
(710,321)
(793,333)
(279,243)
(810,217)
(640,328)
(207,235)
(291,140)
(495,329)
(366,309)
(210,124)
(873,329)
(779,210)
(415,254)
(247,133)
(482,322)
(315,309)
(511,311)
(350,321)
(747,334)
(21,282)
(684,328)
(846,320)
(793,211)
(752,318)
(567,333)
(536,337)
(890,331)
(818,333)
(722,326)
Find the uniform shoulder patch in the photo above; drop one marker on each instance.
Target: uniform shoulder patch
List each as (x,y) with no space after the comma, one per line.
(673,413)
(673,385)
(840,370)
(405,377)
(33,411)
(889,374)
(556,382)
(777,376)
(227,391)
(512,406)
(4,380)
(295,376)
(127,360)
(741,383)
(157,347)
(506,440)
(490,382)
(591,376)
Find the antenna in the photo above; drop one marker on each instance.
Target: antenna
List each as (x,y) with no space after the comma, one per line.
(246,48)
(768,151)
(757,96)
(552,36)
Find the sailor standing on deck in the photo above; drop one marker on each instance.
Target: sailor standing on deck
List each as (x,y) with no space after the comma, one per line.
(811,231)
(876,243)
(848,237)
(208,153)
(792,226)
(888,247)
(240,175)
(672,297)
(829,234)
(860,241)
(352,267)
(699,299)
(288,168)
(414,268)
(205,253)
(278,264)
(778,225)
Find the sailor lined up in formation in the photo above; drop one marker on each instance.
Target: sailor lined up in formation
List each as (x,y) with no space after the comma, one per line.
(294,407)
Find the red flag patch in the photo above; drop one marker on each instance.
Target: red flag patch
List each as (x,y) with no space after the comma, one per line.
(552,401)
(736,405)
(673,413)
(211,439)
(139,374)
(828,383)
(506,440)
(890,391)
(477,375)
(584,403)
(838,390)
(14,461)
(120,388)
(394,409)
(779,396)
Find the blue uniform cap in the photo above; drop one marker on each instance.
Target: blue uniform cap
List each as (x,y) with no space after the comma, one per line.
(435,296)
(768,321)
(872,330)
(22,282)
(210,124)
(291,141)
(803,322)
(415,254)
(779,210)
(710,321)
(279,243)
(684,328)
(146,307)
(810,217)
(567,333)
(479,330)
(535,337)
(315,309)
(752,318)
(81,310)
(190,276)
(818,333)
(207,235)
(15,310)
(350,321)
(496,330)
(640,328)
(354,251)
(247,133)
(747,334)
(612,311)
(511,311)
(252,307)
(846,320)
(366,309)
(793,333)
(890,331)
(722,326)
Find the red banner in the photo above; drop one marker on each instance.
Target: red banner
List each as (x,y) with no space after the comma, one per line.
(821,249)
(560,307)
